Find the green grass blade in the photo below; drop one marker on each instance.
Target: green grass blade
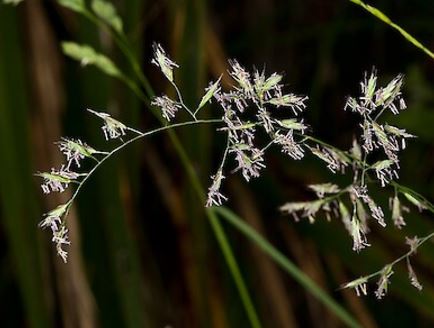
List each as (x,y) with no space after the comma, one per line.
(234,268)
(287,265)
(380,15)
(189,50)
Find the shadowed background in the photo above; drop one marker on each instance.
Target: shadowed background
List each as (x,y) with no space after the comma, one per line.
(142,252)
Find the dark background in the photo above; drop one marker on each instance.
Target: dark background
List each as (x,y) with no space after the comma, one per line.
(142,252)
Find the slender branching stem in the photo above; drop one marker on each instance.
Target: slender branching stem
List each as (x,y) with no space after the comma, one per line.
(139,136)
(181,100)
(405,256)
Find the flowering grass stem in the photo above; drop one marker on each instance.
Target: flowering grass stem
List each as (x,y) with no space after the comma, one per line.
(138,137)
(257,91)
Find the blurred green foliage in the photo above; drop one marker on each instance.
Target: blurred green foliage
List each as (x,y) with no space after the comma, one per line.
(144,254)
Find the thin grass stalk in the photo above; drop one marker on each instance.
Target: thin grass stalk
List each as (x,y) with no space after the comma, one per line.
(188,44)
(288,266)
(220,236)
(273,293)
(380,15)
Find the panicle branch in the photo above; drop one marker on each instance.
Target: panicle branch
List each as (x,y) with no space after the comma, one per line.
(257,103)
